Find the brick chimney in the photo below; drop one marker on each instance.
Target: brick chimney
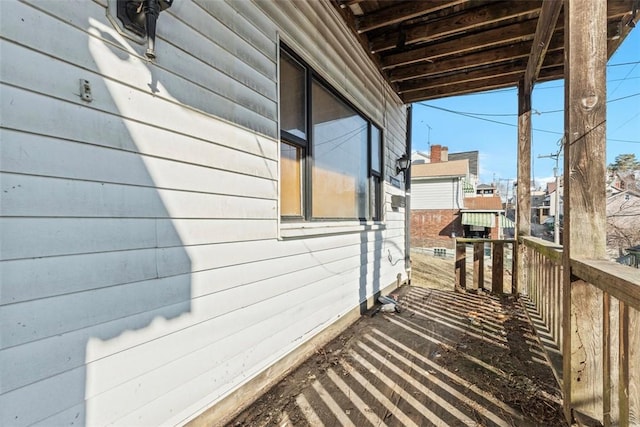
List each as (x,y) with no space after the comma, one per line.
(436,153)
(444,154)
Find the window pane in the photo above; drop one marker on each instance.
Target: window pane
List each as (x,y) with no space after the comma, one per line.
(376,149)
(340,188)
(292,96)
(290,180)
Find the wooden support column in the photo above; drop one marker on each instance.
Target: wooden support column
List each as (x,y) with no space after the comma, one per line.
(523,195)
(584,204)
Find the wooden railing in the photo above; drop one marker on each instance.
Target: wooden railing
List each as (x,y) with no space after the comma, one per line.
(593,316)
(497,263)
(543,264)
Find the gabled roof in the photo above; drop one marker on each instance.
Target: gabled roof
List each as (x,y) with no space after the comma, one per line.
(455,168)
(472,156)
(483,203)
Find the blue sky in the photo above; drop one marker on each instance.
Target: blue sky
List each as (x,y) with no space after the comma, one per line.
(470,125)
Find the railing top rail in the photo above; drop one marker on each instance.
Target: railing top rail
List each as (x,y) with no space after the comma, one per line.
(468,240)
(618,280)
(546,248)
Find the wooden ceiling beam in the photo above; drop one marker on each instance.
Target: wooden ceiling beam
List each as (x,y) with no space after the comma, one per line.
(463,88)
(461,77)
(493,56)
(514,33)
(547,21)
(348,3)
(470,20)
(401,12)
(460,89)
(554,60)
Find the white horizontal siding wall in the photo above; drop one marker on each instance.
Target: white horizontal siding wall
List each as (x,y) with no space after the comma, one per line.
(142,274)
(436,193)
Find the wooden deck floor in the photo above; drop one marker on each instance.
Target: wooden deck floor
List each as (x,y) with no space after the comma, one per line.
(448,359)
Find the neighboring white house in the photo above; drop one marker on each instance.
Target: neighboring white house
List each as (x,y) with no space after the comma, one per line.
(159,258)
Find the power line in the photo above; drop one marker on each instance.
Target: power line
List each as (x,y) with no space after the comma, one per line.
(623,63)
(511,124)
(624,97)
(625,123)
(515,115)
(630,71)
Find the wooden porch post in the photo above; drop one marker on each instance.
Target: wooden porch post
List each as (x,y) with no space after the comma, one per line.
(523,219)
(584,202)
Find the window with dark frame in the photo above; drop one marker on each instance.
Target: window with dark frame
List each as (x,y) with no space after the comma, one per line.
(330,153)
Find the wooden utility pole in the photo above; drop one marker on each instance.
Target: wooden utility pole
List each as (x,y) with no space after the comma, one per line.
(584,202)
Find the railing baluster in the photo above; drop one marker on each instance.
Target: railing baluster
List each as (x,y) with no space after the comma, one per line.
(606,360)
(514,269)
(497,277)
(478,265)
(461,266)
(623,386)
(633,329)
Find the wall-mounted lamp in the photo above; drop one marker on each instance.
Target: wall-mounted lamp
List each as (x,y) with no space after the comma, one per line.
(140,16)
(402,164)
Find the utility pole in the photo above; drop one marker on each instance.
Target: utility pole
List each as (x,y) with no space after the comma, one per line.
(508,180)
(556,218)
(506,202)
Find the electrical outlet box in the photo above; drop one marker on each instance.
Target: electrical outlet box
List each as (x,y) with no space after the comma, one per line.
(85,90)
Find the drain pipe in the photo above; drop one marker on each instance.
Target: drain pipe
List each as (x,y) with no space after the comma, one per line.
(151,12)
(407,206)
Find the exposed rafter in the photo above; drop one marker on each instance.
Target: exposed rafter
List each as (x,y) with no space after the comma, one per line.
(544,32)
(435,48)
(472,19)
(402,12)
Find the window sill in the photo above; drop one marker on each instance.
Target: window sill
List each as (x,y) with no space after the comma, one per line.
(300,230)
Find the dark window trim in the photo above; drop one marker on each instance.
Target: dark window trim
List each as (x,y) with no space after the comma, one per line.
(307,146)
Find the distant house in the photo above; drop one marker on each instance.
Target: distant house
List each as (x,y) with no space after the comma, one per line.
(624,180)
(486,190)
(633,256)
(484,217)
(550,199)
(539,208)
(420,158)
(472,157)
(623,225)
(437,196)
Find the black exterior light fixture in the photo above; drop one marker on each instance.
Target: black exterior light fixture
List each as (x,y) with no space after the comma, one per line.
(402,164)
(140,17)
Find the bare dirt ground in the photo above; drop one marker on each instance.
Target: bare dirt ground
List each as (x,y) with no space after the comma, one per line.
(447,359)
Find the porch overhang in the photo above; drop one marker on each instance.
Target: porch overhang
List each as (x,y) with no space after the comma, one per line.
(479,219)
(433,49)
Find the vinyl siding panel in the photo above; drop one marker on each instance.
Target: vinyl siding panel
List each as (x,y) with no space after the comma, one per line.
(436,193)
(142,270)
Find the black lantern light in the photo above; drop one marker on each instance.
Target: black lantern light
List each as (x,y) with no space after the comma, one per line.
(402,164)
